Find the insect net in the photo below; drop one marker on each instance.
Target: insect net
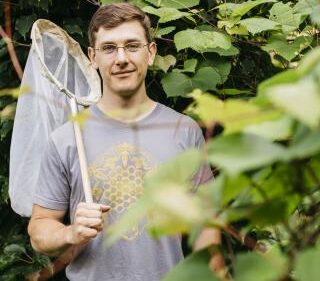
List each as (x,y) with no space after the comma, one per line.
(56,73)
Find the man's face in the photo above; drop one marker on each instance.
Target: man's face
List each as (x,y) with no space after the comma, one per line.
(123,72)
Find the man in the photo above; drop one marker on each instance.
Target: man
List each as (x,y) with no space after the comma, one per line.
(120,151)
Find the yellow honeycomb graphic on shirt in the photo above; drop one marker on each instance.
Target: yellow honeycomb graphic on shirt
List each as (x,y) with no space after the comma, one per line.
(117,179)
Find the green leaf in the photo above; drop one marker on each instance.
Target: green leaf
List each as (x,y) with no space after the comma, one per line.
(166,14)
(177,4)
(280,129)
(179,84)
(305,7)
(232,51)
(233,186)
(315,15)
(164,63)
(14,249)
(105,2)
(222,65)
(176,84)
(234,115)
(241,9)
(288,50)
(194,267)
(307,265)
(206,78)
(73,29)
(309,63)
(24,23)
(179,169)
(284,14)
(257,25)
(243,152)
(204,40)
(190,65)
(81,117)
(308,146)
(166,195)
(256,267)
(158,33)
(301,100)
(234,92)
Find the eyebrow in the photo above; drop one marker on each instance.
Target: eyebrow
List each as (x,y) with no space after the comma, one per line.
(125,42)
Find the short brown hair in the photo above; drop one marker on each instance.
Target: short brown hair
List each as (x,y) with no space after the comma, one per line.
(110,16)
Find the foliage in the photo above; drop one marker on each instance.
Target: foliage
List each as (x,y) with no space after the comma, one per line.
(237,64)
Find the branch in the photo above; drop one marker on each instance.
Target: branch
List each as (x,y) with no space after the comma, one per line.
(12,53)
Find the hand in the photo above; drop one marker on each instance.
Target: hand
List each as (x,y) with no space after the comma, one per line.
(88,222)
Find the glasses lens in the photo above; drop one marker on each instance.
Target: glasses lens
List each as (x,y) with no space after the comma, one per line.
(108,48)
(133,47)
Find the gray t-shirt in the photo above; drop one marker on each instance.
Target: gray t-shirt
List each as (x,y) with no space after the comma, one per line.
(119,155)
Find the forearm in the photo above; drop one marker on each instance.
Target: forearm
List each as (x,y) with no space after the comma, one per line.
(49,236)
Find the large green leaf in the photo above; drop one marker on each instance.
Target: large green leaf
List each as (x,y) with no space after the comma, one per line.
(257,267)
(206,78)
(177,4)
(288,50)
(234,115)
(232,51)
(315,15)
(166,14)
(204,40)
(158,33)
(305,7)
(307,265)
(245,7)
(236,11)
(176,84)
(179,169)
(284,14)
(307,146)
(190,65)
(163,203)
(257,25)
(279,129)
(194,267)
(179,84)
(222,65)
(243,152)
(301,100)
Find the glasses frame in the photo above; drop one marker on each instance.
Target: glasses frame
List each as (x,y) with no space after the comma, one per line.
(124,47)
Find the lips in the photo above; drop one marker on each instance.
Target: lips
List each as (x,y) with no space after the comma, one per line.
(123,73)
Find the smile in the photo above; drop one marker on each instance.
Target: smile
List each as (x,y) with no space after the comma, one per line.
(122,73)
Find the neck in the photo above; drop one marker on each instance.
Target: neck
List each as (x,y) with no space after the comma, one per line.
(126,107)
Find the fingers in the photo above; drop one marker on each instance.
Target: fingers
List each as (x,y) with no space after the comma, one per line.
(88,221)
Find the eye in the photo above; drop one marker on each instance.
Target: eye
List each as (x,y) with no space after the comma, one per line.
(108,48)
(133,47)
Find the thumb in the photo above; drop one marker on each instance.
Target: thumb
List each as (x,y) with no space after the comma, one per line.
(104,208)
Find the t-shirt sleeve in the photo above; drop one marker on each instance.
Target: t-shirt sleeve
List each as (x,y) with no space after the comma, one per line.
(52,190)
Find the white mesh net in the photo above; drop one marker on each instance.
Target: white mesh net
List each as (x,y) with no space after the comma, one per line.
(56,70)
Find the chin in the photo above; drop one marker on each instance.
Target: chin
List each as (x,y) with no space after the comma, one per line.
(126,92)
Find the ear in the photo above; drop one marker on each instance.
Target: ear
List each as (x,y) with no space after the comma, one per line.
(152,53)
(92,57)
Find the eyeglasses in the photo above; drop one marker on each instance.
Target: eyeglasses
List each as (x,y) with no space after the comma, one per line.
(112,49)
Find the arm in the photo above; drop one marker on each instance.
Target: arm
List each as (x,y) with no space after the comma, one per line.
(50,236)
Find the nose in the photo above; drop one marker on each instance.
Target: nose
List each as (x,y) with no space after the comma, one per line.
(121,57)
